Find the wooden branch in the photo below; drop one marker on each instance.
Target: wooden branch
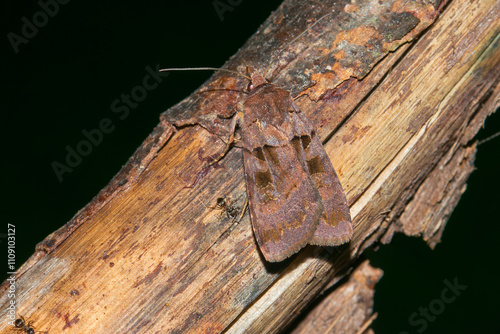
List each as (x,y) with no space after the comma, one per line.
(345,309)
(150,255)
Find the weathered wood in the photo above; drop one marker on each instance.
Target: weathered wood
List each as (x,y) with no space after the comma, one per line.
(346,308)
(150,255)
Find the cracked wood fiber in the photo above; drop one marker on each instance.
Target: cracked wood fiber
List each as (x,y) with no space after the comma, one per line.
(397,91)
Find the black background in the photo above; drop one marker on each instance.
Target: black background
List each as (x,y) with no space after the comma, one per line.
(64,80)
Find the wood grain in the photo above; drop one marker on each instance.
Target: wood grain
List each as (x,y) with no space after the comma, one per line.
(149,255)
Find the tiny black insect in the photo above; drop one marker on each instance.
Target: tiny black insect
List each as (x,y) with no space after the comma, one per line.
(26,327)
(226,205)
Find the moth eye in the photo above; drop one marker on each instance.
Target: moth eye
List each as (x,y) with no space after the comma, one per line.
(315,165)
(263,179)
(259,154)
(272,155)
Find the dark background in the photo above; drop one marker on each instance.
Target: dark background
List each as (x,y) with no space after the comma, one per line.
(64,80)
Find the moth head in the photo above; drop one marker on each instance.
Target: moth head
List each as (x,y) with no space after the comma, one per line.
(257,80)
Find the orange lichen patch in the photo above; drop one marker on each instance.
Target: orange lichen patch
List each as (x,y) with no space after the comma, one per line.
(339,55)
(327,81)
(358,36)
(351,8)
(324,51)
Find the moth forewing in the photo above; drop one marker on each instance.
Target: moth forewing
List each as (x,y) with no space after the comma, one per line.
(335,226)
(284,206)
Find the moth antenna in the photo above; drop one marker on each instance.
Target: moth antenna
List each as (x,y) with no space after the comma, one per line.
(205,69)
(296,38)
(488,139)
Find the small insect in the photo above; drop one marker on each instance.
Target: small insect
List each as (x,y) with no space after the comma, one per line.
(25,327)
(228,206)
(21,325)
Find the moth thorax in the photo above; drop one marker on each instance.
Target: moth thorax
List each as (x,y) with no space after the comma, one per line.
(257,80)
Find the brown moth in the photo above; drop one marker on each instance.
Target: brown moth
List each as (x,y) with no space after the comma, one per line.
(295,197)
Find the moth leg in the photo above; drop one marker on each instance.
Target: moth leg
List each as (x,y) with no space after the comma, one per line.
(226,149)
(245,206)
(234,122)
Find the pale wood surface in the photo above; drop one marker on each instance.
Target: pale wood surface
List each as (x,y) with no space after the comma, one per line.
(151,256)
